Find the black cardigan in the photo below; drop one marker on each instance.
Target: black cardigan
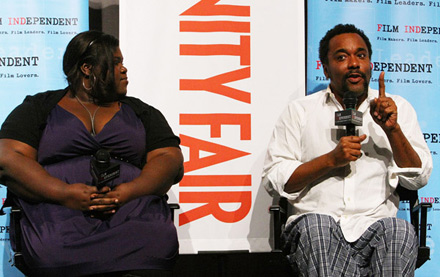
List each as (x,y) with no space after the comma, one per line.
(27,121)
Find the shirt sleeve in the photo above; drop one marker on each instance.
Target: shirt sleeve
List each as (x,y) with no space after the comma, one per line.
(159,133)
(412,178)
(283,156)
(23,124)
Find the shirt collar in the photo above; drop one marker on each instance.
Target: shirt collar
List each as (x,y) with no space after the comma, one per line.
(330,98)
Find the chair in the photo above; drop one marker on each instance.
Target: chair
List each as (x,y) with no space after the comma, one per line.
(418,217)
(16,214)
(18,256)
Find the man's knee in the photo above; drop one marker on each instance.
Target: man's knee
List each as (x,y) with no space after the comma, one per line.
(399,232)
(397,226)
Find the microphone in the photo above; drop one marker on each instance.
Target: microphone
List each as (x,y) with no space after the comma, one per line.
(102,169)
(349,117)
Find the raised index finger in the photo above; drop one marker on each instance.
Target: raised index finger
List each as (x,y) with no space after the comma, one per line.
(382,84)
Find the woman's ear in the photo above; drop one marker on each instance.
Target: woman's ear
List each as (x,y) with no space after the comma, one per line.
(86,69)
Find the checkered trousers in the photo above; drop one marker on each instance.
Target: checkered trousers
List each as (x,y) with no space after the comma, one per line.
(315,246)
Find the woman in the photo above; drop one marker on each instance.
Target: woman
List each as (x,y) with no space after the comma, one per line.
(71,226)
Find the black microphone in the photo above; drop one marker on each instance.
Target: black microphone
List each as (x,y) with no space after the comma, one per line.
(349,117)
(102,169)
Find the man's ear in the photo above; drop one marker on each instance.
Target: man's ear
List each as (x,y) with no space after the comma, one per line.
(324,67)
(86,69)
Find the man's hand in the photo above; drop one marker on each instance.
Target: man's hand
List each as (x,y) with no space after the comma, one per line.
(383,109)
(347,150)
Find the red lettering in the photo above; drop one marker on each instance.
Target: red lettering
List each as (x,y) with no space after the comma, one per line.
(427,199)
(215,26)
(213,202)
(379,26)
(243,50)
(215,84)
(216,180)
(212,206)
(217,120)
(221,153)
(318,64)
(209,7)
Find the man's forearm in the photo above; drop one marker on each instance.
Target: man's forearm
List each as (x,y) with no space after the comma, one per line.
(403,153)
(307,173)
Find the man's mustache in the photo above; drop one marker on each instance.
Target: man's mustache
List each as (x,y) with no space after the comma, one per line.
(347,75)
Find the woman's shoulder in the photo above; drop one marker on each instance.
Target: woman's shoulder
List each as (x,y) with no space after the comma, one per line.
(139,106)
(50,95)
(44,101)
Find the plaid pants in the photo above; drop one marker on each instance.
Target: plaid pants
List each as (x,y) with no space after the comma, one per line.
(315,246)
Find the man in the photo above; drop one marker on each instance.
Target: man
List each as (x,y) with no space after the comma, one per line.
(342,188)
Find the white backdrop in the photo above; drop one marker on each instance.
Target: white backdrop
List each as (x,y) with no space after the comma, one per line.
(221,72)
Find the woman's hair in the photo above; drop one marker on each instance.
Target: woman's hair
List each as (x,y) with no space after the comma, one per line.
(96,49)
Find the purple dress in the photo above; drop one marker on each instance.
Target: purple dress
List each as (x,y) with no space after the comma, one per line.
(59,241)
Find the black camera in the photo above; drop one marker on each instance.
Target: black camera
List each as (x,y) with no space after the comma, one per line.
(102,169)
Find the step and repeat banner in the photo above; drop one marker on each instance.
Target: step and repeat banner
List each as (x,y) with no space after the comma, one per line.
(221,72)
(405,37)
(33,36)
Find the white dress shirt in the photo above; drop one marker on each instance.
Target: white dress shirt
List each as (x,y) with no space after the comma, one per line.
(360,193)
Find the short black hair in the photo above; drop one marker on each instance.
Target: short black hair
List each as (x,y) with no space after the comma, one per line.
(338,30)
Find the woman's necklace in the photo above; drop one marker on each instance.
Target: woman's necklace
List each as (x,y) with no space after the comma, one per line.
(92,117)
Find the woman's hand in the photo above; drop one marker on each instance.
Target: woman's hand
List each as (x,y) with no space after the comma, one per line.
(103,201)
(121,194)
(107,201)
(164,167)
(79,197)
